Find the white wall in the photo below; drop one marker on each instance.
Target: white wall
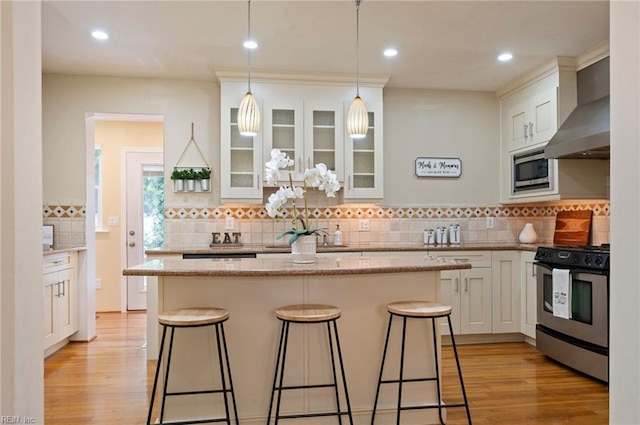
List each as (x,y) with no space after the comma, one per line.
(441,123)
(21,346)
(66,100)
(625,221)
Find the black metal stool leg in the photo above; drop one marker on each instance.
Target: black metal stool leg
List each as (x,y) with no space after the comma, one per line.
(226,356)
(455,352)
(166,374)
(384,356)
(222,377)
(344,377)
(333,371)
(437,366)
(155,379)
(284,357)
(275,373)
(401,379)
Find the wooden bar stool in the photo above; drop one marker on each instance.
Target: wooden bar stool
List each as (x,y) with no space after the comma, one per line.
(193,318)
(420,310)
(308,314)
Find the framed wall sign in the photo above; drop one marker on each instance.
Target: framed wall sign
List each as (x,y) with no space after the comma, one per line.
(47,237)
(426,166)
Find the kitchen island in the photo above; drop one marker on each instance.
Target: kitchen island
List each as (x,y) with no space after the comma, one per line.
(251,289)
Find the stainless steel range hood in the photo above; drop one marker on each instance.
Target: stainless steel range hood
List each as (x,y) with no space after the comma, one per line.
(585,134)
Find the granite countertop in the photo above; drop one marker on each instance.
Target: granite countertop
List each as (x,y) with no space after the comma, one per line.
(285,267)
(386,247)
(59,250)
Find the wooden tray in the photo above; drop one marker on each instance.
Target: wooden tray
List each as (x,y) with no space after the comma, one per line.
(572,228)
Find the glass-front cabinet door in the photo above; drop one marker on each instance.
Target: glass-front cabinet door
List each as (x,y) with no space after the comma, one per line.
(324,141)
(241,161)
(283,123)
(363,163)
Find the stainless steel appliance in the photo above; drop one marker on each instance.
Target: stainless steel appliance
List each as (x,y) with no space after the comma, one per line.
(531,172)
(580,341)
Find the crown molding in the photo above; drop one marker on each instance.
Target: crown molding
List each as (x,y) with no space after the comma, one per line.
(559,63)
(593,55)
(291,77)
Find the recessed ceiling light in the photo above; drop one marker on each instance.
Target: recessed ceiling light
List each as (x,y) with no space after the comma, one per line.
(100,35)
(250,44)
(505,57)
(390,52)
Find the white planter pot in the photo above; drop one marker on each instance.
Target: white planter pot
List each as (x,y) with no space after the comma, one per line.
(303,250)
(205,185)
(178,185)
(191,185)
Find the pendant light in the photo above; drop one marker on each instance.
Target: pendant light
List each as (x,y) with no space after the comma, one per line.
(249,113)
(357,117)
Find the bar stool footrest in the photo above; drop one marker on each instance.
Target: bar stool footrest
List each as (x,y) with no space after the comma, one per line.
(432,406)
(312,415)
(397,381)
(199,392)
(304,387)
(195,421)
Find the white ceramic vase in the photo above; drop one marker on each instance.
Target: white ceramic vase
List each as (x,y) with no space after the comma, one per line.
(303,250)
(528,234)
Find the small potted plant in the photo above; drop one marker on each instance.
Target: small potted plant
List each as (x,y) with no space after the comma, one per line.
(178,180)
(190,176)
(205,179)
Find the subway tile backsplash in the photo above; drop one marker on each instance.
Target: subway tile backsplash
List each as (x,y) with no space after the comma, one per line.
(192,226)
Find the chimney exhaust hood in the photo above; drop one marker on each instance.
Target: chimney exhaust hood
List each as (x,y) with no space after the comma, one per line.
(585,134)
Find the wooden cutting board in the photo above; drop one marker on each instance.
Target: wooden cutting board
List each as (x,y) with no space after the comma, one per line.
(572,228)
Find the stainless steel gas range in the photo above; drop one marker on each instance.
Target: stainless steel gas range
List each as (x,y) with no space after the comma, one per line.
(573,307)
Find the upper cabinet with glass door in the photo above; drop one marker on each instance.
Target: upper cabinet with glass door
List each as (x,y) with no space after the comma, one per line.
(309,132)
(363,161)
(304,119)
(241,166)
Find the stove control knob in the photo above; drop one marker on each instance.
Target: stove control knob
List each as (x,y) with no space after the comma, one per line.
(587,259)
(599,260)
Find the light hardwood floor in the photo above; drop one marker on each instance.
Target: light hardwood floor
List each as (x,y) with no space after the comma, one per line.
(107,382)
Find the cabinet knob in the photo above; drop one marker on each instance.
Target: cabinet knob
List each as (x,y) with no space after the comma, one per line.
(132,232)
(132,244)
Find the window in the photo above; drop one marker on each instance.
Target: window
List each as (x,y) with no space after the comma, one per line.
(97,168)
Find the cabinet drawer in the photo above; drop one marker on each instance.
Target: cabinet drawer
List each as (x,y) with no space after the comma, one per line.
(476,258)
(55,262)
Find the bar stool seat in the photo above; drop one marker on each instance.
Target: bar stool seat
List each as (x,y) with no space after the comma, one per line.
(307,314)
(192,318)
(420,310)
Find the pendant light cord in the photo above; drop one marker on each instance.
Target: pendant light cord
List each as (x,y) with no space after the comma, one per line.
(249,50)
(357,2)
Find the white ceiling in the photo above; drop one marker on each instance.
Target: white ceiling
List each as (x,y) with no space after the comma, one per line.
(441,44)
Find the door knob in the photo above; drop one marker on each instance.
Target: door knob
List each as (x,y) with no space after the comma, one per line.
(132,232)
(132,244)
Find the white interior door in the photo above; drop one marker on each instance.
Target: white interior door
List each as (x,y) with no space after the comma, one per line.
(138,166)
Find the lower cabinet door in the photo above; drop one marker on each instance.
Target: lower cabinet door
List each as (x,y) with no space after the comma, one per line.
(475,301)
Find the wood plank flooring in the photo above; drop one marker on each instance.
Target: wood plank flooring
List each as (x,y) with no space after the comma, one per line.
(108,381)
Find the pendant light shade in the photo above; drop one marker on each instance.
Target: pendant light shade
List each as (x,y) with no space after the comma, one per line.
(357,117)
(249,116)
(249,112)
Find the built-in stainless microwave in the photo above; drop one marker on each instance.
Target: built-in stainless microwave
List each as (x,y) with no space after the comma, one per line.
(531,172)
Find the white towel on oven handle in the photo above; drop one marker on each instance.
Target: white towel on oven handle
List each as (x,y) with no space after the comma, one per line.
(561,282)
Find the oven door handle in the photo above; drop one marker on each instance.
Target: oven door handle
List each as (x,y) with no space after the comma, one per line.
(572,270)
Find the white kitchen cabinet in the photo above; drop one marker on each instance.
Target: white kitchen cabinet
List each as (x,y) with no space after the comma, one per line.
(468,292)
(505,291)
(60,301)
(533,121)
(528,306)
(308,131)
(364,175)
(241,160)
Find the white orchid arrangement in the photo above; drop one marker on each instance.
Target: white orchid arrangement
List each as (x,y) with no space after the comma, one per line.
(319,177)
